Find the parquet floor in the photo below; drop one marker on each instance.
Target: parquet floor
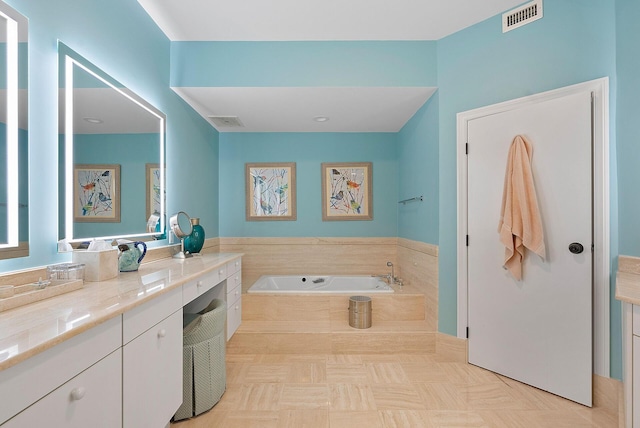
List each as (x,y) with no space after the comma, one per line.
(386,390)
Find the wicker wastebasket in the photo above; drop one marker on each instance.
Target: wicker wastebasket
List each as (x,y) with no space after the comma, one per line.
(204,375)
(360,311)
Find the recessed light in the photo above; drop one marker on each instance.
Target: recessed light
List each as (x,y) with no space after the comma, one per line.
(321,118)
(92,120)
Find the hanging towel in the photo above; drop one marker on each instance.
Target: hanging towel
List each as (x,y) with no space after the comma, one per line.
(520,224)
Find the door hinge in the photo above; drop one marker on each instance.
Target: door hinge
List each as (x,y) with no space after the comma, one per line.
(593,248)
(467,240)
(467,332)
(466,148)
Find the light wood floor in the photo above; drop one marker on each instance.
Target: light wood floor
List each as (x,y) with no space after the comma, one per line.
(383,390)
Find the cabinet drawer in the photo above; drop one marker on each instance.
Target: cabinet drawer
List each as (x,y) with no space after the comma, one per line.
(222,271)
(194,289)
(234,317)
(234,266)
(43,373)
(142,318)
(152,375)
(91,399)
(234,280)
(233,294)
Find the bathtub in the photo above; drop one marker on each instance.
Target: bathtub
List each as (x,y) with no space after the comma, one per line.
(320,284)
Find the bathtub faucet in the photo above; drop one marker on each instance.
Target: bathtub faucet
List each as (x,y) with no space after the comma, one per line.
(393,278)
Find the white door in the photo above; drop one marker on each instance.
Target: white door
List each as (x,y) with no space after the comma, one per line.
(538,330)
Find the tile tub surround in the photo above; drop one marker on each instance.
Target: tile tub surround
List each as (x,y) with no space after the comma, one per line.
(34,328)
(415,262)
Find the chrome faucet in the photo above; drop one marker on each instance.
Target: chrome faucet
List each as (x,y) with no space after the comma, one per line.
(392,280)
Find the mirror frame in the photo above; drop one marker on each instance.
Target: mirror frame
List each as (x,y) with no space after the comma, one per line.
(71,59)
(16,24)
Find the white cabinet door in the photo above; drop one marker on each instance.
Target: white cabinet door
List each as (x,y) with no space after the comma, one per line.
(91,399)
(152,375)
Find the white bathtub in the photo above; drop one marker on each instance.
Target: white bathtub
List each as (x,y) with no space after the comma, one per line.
(320,284)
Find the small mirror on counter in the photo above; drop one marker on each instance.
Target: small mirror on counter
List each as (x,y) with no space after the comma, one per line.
(112,154)
(14,178)
(181,226)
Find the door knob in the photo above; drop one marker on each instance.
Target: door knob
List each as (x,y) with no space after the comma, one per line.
(576,248)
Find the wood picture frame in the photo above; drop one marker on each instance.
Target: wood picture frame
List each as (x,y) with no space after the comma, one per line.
(347,191)
(152,174)
(270,190)
(96,193)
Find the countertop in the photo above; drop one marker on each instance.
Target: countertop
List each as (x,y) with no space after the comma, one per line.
(28,330)
(628,287)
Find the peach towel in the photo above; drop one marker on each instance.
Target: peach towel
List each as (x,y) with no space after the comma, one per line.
(520,224)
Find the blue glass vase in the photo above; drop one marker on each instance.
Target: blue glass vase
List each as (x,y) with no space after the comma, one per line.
(194,242)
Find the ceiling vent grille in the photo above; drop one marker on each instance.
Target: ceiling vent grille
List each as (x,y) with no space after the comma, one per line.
(227,121)
(522,15)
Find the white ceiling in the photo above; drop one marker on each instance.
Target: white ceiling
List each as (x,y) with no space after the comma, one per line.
(349,109)
(363,109)
(278,20)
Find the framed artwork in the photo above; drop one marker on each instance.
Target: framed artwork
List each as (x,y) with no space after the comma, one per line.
(347,192)
(270,191)
(96,193)
(153,188)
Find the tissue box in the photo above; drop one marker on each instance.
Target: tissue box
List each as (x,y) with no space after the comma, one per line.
(99,265)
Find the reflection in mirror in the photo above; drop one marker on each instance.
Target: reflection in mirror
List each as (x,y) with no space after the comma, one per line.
(112,146)
(14,214)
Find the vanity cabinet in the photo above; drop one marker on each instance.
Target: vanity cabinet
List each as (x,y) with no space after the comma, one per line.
(123,372)
(91,399)
(24,386)
(234,296)
(631,351)
(152,362)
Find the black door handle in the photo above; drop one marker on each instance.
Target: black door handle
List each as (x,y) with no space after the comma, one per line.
(576,248)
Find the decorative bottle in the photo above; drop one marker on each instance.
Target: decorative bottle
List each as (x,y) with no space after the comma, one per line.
(194,242)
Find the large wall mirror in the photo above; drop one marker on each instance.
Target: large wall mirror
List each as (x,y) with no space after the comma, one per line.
(112,148)
(14,181)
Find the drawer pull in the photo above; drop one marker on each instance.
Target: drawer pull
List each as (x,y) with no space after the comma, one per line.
(237,307)
(221,272)
(162,333)
(237,278)
(237,264)
(78,393)
(237,292)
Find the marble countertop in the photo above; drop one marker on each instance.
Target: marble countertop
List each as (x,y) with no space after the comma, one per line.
(28,330)
(628,287)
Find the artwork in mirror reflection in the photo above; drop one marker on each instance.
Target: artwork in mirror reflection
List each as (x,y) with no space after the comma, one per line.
(108,138)
(14,214)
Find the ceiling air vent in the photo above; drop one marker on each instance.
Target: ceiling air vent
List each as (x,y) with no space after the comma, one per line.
(227,121)
(522,15)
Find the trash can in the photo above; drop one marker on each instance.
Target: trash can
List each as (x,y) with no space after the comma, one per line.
(204,376)
(360,311)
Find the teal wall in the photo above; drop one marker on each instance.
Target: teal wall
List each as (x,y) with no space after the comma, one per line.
(628,70)
(479,66)
(364,63)
(418,174)
(308,150)
(124,41)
